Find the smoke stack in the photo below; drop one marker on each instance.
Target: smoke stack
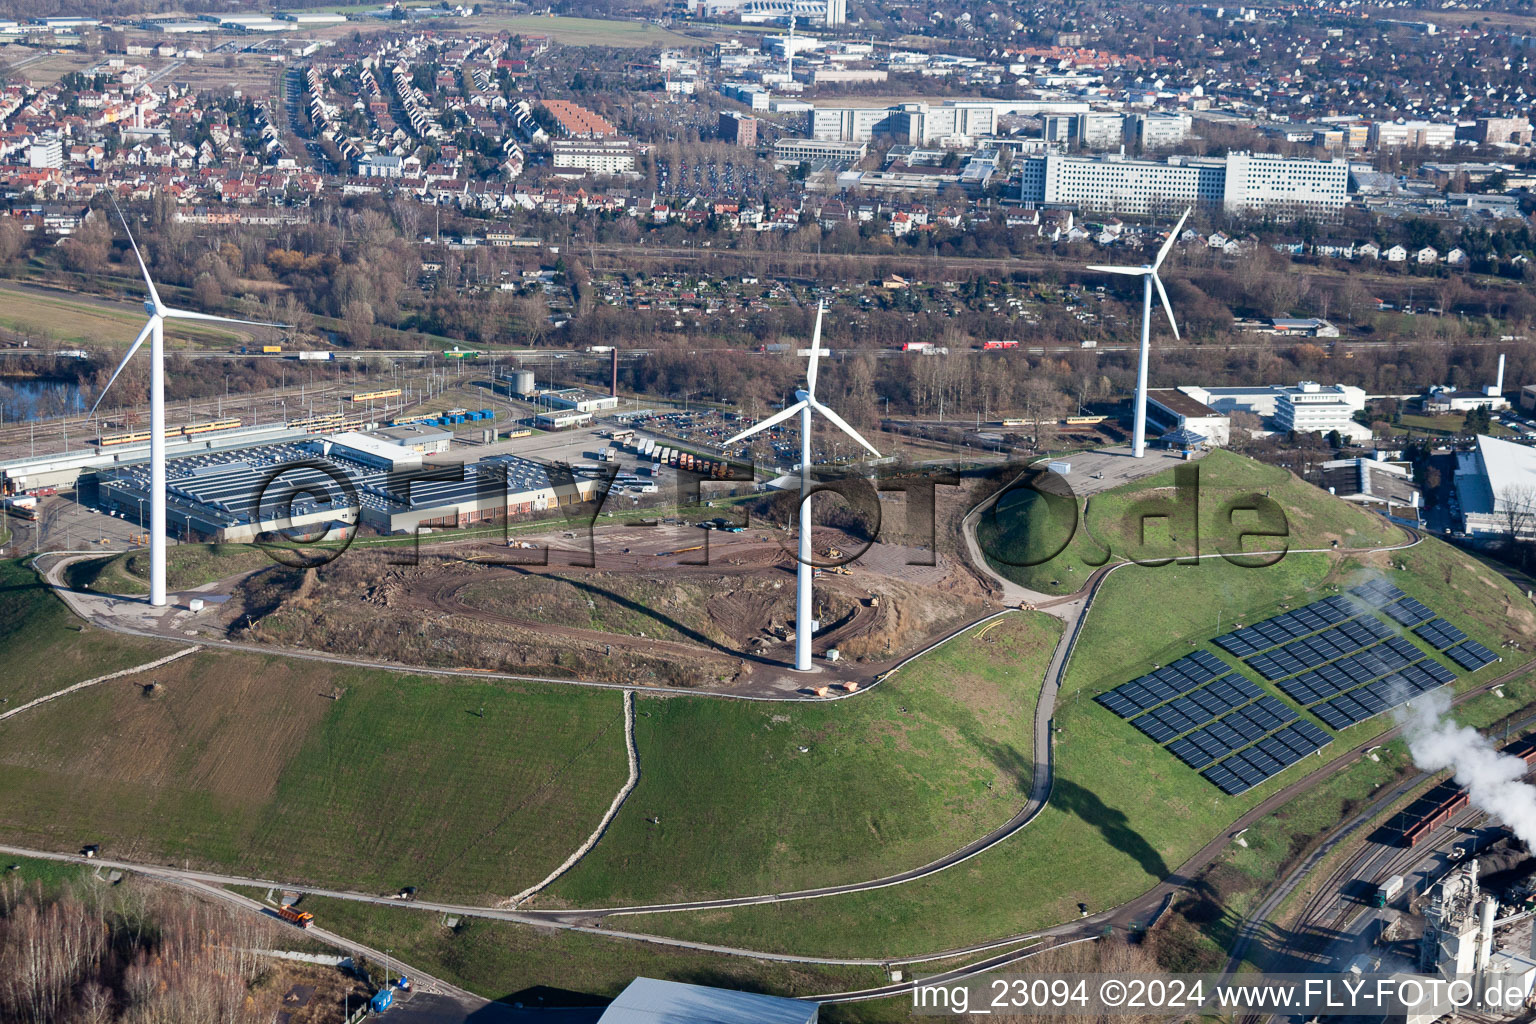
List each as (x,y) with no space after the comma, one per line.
(613,368)
(1500,382)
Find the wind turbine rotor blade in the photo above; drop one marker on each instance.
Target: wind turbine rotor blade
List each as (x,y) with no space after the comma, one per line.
(187,314)
(776,418)
(810,372)
(842,425)
(154,296)
(1167,306)
(131,350)
(1173,236)
(1128,271)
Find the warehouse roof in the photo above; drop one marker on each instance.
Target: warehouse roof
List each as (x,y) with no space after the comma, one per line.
(649,1001)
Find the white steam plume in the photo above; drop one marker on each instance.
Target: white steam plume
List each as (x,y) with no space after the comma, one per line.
(1492,779)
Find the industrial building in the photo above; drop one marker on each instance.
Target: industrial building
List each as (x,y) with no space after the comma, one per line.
(1236,182)
(1496,485)
(323,485)
(649,1001)
(417,437)
(1445,399)
(1176,411)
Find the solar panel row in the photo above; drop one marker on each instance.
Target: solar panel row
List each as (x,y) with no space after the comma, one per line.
(1440,634)
(1162,685)
(1377,593)
(1313,651)
(1372,699)
(1232,732)
(1471,655)
(1409,612)
(1197,708)
(1348,673)
(1267,758)
(1278,629)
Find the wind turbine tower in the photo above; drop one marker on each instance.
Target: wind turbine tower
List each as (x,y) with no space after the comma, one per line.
(804,624)
(1149,279)
(154,330)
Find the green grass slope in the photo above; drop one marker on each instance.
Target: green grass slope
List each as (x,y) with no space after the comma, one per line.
(1124,812)
(1027,528)
(47,648)
(729,804)
(307,772)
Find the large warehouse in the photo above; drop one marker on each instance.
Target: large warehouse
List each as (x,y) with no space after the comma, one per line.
(327,484)
(1496,483)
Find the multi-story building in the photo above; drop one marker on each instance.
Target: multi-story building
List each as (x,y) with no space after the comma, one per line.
(1236,182)
(46,151)
(1097,130)
(1157,131)
(837,13)
(738,128)
(1499,131)
(917,124)
(603,156)
(1412,135)
(796,151)
(1311,408)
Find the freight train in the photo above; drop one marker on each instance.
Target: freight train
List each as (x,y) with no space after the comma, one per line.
(1439,804)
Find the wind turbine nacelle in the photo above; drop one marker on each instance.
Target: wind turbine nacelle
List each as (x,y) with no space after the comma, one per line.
(801,394)
(149,307)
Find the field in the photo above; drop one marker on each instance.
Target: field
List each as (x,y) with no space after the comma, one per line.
(82,321)
(1028,528)
(305,772)
(47,648)
(186,566)
(1128,811)
(738,798)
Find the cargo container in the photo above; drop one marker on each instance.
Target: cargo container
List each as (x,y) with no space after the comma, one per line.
(1059,468)
(299,917)
(271,349)
(382,1000)
(488,414)
(323,357)
(1387,891)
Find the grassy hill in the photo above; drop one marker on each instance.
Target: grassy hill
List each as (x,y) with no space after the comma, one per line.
(1030,528)
(1124,812)
(46,648)
(741,797)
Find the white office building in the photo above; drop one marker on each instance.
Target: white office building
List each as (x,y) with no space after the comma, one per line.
(1237,182)
(796,151)
(1311,408)
(1157,131)
(46,151)
(917,124)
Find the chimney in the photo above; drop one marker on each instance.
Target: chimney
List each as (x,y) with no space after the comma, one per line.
(613,367)
(1500,382)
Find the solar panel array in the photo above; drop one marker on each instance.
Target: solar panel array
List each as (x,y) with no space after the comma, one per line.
(1388,692)
(1196,708)
(1409,612)
(1232,732)
(1343,666)
(1164,684)
(1377,593)
(1472,655)
(1279,629)
(1440,634)
(1347,673)
(1331,644)
(1267,758)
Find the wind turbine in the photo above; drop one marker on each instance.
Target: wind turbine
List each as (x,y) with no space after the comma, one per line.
(154,330)
(804,625)
(1149,278)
